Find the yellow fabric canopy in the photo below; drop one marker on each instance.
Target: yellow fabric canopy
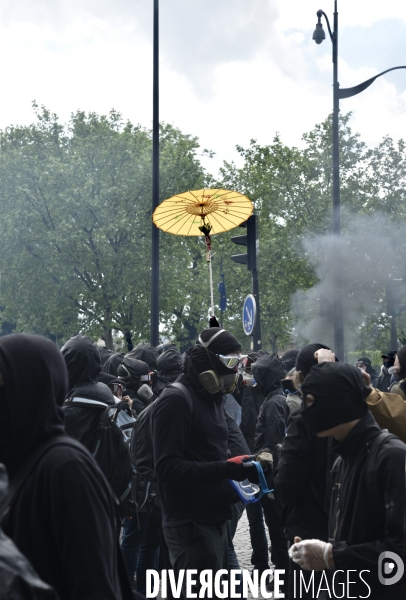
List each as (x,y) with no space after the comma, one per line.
(183,214)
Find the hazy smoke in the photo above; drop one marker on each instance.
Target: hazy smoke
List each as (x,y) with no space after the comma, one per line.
(370,251)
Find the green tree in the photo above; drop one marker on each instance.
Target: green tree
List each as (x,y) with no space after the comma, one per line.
(75,237)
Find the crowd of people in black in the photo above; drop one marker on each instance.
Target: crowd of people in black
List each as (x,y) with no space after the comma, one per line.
(113,464)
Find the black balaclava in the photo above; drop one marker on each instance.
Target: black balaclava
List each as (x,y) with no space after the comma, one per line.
(339,393)
(305,359)
(82,359)
(268,372)
(130,371)
(389,359)
(289,359)
(402,360)
(368,367)
(35,387)
(145,352)
(112,363)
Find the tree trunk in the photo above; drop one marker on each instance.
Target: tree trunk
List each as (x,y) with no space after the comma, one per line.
(107,336)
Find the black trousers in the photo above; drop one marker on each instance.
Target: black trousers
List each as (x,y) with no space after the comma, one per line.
(197,546)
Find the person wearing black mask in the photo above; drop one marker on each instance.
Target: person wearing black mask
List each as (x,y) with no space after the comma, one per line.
(137,378)
(268,372)
(190,454)
(82,417)
(384,378)
(364,363)
(61,508)
(301,476)
(368,505)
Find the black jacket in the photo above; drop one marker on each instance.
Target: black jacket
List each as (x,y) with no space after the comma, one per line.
(272,421)
(368,518)
(190,450)
(62,518)
(252,401)
(301,482)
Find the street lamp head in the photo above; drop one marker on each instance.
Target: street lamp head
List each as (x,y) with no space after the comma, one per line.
(319,34)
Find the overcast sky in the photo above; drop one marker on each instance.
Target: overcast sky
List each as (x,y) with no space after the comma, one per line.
(231,70)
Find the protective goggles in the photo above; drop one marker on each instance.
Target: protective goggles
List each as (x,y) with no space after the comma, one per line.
(231,361)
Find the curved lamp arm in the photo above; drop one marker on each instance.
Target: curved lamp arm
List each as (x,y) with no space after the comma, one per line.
(321,13)
(353,91)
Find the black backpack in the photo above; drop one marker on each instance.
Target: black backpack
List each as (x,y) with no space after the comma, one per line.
(111,448)
(141,451)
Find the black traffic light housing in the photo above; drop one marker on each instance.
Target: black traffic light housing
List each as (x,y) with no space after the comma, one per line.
(251,241)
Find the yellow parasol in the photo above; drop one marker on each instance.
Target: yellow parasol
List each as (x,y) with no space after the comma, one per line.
(203,212)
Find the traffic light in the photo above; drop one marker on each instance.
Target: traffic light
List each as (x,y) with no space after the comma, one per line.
(251,241)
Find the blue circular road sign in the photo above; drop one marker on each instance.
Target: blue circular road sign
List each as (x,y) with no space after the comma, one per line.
(249,313)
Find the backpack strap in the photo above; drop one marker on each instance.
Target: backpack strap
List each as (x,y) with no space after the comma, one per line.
(29,465)
(87,402)
(186,393)
(374,447)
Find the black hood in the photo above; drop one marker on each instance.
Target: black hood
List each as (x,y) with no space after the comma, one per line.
(289,359)
(112,363)
(82,359)
(339,393)
(268,372)
(170,363)
(146,353)
(130,371)
(35,387)
(104,353)
(166,346)
(305,359)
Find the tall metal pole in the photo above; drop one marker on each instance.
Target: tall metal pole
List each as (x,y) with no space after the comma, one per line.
(338,299)
(154,337)
(256,338)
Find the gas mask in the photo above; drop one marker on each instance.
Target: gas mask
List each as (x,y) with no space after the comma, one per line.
(248,380)
(215,384)
(145,391)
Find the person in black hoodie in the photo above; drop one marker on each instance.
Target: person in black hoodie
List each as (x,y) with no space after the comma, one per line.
(87,396)
(301,475)
(367,523)
(61,515)
(268,372)
(190,455)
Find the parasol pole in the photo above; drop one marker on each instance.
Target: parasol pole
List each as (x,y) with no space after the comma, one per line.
(209,260)
(211,287)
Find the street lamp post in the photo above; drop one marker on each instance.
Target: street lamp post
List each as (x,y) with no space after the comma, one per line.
(154,330)
(338,94)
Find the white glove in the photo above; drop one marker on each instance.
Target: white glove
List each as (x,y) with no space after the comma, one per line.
(311,555)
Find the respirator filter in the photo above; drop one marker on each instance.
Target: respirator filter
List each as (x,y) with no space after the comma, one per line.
(215,384)
(145,392)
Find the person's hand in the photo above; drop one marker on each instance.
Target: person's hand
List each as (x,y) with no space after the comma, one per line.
(324,355)
(128,400)
(366,376)
(312,555)
(238,471)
